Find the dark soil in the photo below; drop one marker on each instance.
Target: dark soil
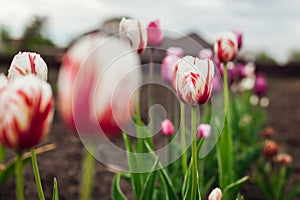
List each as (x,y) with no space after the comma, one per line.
(64,162)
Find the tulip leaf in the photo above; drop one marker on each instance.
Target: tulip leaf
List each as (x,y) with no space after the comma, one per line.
(55,190)
(231,191)
(135,178)
(149,186)
(117,193)
(2,153)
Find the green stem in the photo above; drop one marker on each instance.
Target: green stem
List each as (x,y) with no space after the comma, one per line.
(19,177)
(2,153)
(87,176)
(37,175)
(182,127)
(224,147)
(194,155)
(151,66)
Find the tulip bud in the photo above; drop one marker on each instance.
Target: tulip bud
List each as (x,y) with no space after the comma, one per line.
(28,63)
(203,130)
(167,127)
(260,86)
(270,149)
(26,110)
(177,51)
(154,32)
(194,79)
(205,54)
(226,47)
(239,37)
(135,33)
(216,194)
(283,159)
(267,132)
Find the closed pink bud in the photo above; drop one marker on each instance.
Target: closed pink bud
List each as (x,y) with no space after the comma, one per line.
(26,110)
(205,54)
(216,194)
(28,63)
(194,78)
(260,86)
(133,31)
(154,32)
(177,51)
(168,67)
(167,127)
(203,130)
(226,47)
(284,159)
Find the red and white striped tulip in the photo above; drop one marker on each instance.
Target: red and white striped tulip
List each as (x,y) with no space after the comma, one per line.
(89,79)
(226,47)
(194,78)
(28,63)
(167,128)
(26,112)
(3,82)
(155,34)
(134,32)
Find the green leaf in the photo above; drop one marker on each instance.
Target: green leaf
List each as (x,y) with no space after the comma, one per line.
(55,190)
(232,190)
(186,189)
(117,193)
(149,186)
(135,178)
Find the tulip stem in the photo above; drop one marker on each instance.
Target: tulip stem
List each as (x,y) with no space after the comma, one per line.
(194,166)
(182,127)
(19,177)
(150,85)
(37,175)
(87,176)
(224,147)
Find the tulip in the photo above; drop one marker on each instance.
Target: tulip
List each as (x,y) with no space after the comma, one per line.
(205,54)
(267,132)
(168,67)
(133,31)
(194,79)
(260,86)
(203,130)
(154,32)
(3,82)
(96,79)
(270,149)
(226,47)
(216,194)
(28,63)
(26,110)
(177,51)
(239,37)
(167,127)
(241,73)
(284,159)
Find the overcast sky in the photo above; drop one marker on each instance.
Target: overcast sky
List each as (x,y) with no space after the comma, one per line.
(269,25)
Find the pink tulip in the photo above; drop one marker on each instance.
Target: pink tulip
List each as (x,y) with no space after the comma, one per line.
(239,37)
(154,32)
(203,130)
(260,86)
(168,66)
(28,63)
(26,110)
(89,79)
(226,47)
(193,81)
(177,51)
(205,54)
(216,194)
(134,32)
(167,127)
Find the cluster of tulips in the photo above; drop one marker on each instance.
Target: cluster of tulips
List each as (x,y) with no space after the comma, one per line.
(96,98)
